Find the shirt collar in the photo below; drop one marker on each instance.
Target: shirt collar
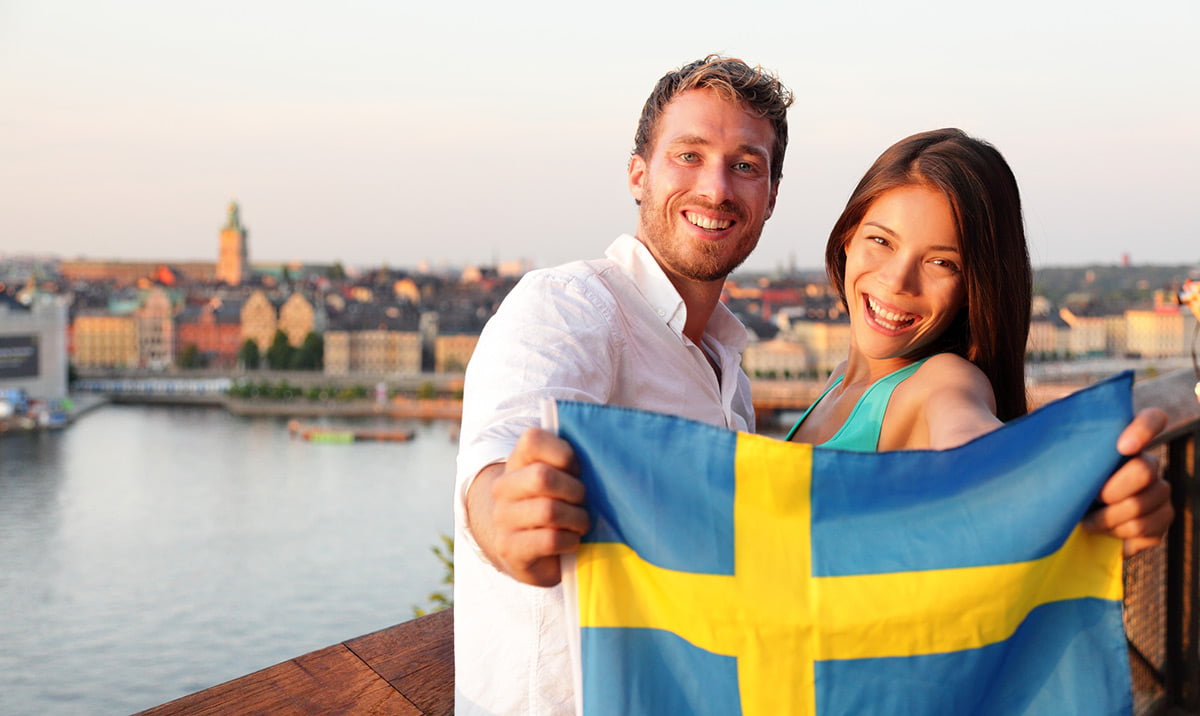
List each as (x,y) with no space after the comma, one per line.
(636,260)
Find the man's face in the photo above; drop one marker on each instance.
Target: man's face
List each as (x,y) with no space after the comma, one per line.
(705,189)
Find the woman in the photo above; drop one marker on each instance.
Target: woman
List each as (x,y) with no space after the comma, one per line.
(929,258)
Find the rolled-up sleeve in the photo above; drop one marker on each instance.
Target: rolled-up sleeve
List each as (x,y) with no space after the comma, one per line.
(552,338)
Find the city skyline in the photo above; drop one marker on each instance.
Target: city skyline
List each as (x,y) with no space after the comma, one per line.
(376,134)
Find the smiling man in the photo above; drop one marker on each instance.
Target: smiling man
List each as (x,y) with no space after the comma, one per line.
(641,328)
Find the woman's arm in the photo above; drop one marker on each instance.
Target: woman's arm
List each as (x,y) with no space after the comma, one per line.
(959,404)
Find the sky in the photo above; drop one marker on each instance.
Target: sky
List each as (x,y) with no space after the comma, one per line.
(462,133)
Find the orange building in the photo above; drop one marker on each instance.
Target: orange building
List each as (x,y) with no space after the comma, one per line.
(232,260)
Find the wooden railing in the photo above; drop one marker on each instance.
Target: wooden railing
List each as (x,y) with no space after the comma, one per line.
(409,668)
(406,669)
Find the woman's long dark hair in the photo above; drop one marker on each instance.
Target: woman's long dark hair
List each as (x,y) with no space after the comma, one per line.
(992,328)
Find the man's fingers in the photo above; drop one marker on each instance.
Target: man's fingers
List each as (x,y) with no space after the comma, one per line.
(1146,426)
(532,556)
(540,446)
(538,513)
(537,480)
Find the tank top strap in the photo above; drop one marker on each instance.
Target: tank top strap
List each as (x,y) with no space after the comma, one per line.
(860,432)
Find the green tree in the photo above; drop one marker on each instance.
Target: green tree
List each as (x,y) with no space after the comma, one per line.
(279,355)
(248,355)
(440,600)
(189,357)
(311,354)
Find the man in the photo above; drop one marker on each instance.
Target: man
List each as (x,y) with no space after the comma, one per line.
(642,328)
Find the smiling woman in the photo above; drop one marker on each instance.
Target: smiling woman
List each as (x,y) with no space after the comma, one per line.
(929,257)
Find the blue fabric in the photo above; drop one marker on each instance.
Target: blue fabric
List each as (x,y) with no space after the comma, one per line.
(693,490)
(667,675)
(1040,670)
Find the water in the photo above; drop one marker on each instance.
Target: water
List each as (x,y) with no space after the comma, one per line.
(149,552)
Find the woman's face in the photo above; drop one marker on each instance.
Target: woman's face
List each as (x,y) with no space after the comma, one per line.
(904,273)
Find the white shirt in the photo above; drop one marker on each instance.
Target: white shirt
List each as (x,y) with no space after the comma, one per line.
(604,331)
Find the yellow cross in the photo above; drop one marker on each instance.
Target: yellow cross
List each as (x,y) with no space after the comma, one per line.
(777,619)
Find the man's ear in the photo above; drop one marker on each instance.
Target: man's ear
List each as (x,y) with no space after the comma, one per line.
(771,201)
(637,177)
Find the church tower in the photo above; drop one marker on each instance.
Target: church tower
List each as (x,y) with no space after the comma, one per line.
(231,263)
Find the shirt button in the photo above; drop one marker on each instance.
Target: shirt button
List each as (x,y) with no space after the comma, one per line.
(661,313)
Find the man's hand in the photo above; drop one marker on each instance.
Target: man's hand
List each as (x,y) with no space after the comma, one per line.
(526,512)
(1137,500)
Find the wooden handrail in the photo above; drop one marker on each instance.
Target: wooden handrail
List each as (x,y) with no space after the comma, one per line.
(406,669)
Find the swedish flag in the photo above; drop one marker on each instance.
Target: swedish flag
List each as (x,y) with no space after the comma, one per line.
(731,573)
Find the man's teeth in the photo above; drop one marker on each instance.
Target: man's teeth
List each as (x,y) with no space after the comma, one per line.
(706,223)
(897,320)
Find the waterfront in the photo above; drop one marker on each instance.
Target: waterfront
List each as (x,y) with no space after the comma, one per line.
(152,551)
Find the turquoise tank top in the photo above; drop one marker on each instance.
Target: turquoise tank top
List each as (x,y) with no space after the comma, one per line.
(860,432)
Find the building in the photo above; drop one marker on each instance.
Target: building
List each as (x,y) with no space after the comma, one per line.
(776,358)
(452,351)
(155,320)
(129,273)
(214,328)
(296,319)
(373,338)
(1088,335)
(104,340)
(33,346)
(259,320)
(1156,333)
(826,343)
(232,261)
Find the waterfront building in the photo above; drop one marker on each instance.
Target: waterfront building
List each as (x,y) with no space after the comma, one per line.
(826,342)
(102,339)
(259,320)
(155,320)
(1049,336)
(1158,332)
(776,358)
(452,351)
(296,319)
(373,338)
(232,257)
(1088,335)
(33,345)
(214,328)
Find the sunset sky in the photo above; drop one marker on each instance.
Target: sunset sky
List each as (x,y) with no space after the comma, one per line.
(396,132)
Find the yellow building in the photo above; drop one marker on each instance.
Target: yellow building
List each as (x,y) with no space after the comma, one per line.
(827,343)
(1047,337)
(372,351)
(776,358)
(296,319)
(232,257)
(103,340)
(259,321)
(452,352)
(1156,333)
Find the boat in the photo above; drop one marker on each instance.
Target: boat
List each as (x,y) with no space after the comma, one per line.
(339,436)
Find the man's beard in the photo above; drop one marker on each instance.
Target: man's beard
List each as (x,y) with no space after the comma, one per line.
(696,261)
